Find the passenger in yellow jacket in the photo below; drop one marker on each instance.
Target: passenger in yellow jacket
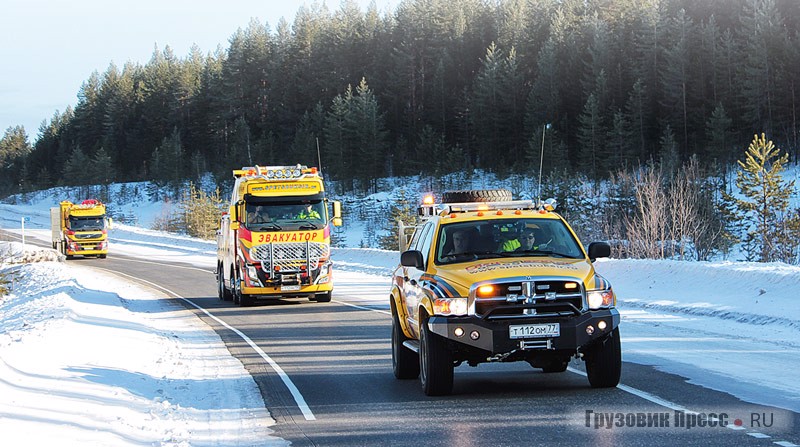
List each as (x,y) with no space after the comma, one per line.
(525,242)
(308,213)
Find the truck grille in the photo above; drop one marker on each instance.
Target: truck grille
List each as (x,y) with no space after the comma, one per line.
(543,297)
(291,255)
(97,235)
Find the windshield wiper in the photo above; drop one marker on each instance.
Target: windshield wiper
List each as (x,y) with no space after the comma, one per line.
(470,254)
(309,226)
(514,253)
(269,227)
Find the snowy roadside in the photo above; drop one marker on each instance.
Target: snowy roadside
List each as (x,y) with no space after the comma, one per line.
(89,359)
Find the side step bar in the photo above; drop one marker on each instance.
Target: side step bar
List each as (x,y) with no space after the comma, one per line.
(412,345)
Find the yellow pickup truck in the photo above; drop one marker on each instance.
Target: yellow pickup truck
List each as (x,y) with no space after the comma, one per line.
(488,279)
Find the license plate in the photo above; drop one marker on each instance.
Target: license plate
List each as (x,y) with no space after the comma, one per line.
(290,288)
(534,330)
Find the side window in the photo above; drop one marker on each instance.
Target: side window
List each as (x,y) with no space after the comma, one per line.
(415,238)
(425,241)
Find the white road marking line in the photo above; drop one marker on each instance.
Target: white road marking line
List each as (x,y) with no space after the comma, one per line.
(164,264)
(758,435)
(785,444)
(298,397)
(643,394)
(363,307)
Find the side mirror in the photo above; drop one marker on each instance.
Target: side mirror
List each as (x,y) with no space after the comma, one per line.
(337,213)
(599,250)
(109,223)
(234,211)
(412,258)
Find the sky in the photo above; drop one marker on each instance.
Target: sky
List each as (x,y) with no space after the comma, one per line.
(727,326)
(48,48)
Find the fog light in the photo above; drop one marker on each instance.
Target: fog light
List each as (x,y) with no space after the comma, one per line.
(474,335)
(589,330)
(459,332)
(601,325)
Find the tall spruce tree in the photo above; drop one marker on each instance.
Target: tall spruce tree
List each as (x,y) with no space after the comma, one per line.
(368,136)
(76,168)
(676,77)
(102,168)
(638,115)
(764,36)
(494,104)
(591,137)
(719,137)
(544,101)
(335,151)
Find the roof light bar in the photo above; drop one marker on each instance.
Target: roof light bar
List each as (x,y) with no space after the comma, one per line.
(487,206)
(276,172)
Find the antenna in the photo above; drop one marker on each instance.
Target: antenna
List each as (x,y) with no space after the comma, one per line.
(541,162)
(319,159)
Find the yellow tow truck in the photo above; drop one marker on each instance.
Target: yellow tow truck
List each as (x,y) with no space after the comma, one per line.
(274,241)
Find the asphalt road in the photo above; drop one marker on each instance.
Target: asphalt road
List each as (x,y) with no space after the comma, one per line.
(324,371)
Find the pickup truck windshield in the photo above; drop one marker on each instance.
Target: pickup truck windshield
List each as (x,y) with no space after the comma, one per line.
(502,238)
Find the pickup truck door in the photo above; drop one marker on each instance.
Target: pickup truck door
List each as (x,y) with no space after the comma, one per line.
(412,287)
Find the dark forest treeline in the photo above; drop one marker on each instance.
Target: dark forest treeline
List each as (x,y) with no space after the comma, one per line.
(438,86)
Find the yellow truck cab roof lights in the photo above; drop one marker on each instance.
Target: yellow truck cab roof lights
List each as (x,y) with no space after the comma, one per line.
(276,172)
(451,209)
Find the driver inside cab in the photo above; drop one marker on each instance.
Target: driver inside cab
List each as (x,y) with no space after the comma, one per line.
(258,215)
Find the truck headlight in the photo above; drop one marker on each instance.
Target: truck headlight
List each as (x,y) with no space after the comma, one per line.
(600,299)
(252,273)
(450,306)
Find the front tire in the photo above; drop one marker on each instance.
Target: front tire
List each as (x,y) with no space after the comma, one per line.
(223,292)
(604,362)
(405,362)
(246,300)
(435,363)
(236,292)
(323,297)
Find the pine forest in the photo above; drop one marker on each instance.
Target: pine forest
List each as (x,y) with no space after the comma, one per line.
(440,86)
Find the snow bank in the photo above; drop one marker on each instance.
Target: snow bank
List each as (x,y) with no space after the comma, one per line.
(87,359)
(745,292)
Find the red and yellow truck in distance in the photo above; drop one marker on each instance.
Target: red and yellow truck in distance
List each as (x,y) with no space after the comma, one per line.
(80,228)
(275,239)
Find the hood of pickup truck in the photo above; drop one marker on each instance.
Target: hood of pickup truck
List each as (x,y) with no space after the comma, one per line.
(460,277)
